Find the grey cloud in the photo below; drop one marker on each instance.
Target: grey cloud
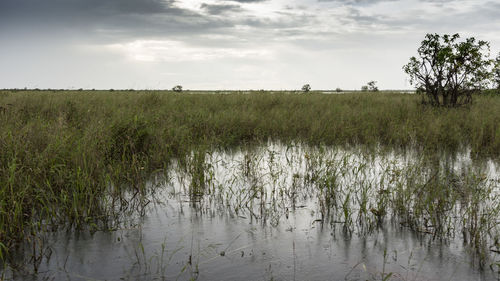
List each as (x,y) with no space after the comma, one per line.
(356,16)
(109,21)
(358,2)
(115,21)
(56,39)
(79,7)
(367,2)
(104,19)
(439,1)
(217,9)
(480,20)
(248,1)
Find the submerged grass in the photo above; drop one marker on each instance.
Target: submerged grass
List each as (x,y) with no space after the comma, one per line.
(356,192)
(69,158)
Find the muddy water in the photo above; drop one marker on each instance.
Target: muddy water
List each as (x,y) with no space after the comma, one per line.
(258,216)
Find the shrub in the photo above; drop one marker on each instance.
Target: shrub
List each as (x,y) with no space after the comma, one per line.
(306,88)
(177,88)
(372,86)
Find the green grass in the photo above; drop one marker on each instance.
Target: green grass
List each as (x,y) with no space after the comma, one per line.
(68,157)
(144,118)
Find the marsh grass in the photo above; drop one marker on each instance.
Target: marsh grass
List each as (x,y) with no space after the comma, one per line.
(81,159)
(358,192)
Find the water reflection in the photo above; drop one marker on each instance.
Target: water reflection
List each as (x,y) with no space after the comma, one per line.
(285,213)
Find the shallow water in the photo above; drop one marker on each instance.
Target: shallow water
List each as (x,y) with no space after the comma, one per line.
(259,216)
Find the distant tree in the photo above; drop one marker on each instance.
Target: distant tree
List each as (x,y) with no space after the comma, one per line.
(338,90)
(364,88)
(306,88)
(447,71)
(372,87)
(177,88)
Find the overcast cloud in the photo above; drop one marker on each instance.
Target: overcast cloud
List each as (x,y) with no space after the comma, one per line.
(222,44)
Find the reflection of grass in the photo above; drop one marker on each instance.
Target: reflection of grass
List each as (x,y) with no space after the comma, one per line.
(431,198)
(75,159)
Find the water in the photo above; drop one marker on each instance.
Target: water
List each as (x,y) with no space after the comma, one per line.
(259,216)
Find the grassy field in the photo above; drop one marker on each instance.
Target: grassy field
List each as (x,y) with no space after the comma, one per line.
(65,156)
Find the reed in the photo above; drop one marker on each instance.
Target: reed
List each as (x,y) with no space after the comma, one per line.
(77,159)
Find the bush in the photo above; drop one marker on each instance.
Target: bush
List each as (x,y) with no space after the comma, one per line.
(306,88)
(177,88)
(372,87)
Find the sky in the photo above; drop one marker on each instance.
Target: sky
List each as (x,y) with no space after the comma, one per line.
(223,44)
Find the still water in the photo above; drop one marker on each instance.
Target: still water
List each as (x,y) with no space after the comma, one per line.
(259,214)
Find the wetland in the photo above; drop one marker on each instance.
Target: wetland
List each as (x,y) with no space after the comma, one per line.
(100,185)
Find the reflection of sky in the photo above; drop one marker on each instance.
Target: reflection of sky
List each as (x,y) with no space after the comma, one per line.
(299,247)
(222,44)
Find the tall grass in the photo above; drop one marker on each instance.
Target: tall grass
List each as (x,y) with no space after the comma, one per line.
(69,158)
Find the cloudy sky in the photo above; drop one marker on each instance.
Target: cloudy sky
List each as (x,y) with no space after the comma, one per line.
(226,44)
